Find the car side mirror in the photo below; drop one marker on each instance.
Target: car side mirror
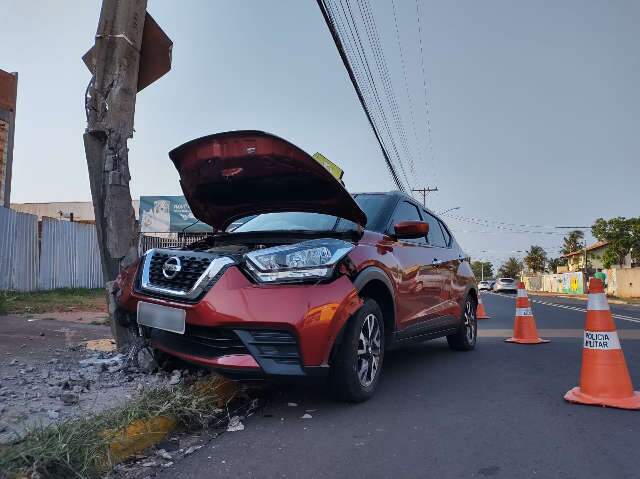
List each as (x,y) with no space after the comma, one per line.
(411,229)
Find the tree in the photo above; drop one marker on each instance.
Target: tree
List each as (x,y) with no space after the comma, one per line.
(477,267)
(572,242)
(536,259)
(623,236)
(510,268)
(553,263)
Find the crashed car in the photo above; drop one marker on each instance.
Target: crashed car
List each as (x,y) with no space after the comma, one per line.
(309,280)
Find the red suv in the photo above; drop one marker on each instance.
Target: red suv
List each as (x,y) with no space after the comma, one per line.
(313,281)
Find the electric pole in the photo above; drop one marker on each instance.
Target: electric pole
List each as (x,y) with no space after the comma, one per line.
(126,34)
(424,192)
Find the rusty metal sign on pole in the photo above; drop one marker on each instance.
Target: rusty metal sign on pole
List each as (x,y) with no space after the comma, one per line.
(155,54)
(130,52)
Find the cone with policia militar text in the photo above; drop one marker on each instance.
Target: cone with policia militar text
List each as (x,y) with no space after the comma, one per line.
(480,311)
(524,328)
(604,377)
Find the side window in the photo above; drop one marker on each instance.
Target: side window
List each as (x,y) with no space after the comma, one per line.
(435,236)
(405,211)
(447,235)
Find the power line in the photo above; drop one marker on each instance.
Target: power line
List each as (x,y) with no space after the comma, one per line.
(424,86)
(380,65)
(505,225)
(378,52)
(345,61)
(406,82)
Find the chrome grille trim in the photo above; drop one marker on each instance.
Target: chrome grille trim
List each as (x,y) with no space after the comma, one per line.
(218,263)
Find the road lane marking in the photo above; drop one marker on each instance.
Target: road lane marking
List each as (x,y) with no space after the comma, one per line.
(572,308)
(625,334)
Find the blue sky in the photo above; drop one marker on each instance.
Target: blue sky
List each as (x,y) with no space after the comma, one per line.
(534,106)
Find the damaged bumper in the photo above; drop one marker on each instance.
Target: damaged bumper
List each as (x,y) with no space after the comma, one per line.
(244,329)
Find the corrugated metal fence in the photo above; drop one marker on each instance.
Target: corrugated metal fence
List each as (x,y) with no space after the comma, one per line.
(64,255)
(69,256)
(18,250)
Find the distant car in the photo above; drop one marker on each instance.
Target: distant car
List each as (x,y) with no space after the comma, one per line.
(484,286)
(505,285)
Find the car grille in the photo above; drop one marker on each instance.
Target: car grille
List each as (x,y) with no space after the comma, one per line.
(192,269)
(198,272)
(200,341)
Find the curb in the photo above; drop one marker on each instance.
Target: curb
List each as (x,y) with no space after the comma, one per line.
(138,436)
(142,434)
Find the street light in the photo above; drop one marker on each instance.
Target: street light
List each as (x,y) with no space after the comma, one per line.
(450,209)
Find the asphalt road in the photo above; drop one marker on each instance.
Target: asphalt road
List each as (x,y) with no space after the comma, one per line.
(495,412)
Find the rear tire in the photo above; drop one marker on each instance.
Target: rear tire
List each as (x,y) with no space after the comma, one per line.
(358,364)
(467,335)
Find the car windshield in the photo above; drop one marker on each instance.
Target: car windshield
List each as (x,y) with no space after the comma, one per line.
(302,221)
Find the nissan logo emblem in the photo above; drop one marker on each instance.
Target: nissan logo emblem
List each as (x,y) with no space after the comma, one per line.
(171,267)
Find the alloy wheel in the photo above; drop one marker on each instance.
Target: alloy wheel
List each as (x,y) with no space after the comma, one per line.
(369,350)
(470,324)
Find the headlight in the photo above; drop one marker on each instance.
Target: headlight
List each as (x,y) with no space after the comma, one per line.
(308,260)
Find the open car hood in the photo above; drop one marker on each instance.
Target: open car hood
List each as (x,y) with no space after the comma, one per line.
(231,175)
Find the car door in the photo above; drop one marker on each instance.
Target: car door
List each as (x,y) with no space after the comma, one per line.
(445,260)
(419,283)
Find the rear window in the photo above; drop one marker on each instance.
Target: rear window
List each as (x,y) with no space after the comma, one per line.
(506,280)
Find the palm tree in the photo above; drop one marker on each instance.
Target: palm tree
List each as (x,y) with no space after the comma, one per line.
(572,242)
(553,263)
(536,259)
(510,268)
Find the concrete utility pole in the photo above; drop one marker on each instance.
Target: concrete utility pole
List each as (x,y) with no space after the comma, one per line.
(131,51)
(424,192)
(110,106)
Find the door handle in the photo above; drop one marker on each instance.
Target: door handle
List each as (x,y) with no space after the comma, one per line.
(436,262)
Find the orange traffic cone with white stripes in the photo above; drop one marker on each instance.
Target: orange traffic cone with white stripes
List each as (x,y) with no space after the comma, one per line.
(480,311)
(524,328)
(604,377)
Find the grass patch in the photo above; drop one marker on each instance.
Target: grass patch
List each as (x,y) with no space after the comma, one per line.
(54,301)
(4,302)
(82,448)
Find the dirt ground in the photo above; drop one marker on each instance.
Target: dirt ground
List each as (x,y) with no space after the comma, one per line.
(48,374)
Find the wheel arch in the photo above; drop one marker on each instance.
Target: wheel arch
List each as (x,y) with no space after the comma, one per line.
(373,282)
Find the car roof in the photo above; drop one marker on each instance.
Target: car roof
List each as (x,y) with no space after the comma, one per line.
(399,195)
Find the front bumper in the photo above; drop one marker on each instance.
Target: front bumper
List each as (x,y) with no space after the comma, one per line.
(243,328)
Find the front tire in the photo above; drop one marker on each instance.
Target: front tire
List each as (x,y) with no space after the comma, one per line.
(358,365)
(467,335)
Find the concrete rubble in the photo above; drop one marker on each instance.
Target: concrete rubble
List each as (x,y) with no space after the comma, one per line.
(73,382)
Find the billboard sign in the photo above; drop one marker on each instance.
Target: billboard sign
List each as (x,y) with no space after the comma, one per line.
(169,214)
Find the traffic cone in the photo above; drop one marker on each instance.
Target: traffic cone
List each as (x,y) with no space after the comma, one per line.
(480,311)
(604,377)
(524,328)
